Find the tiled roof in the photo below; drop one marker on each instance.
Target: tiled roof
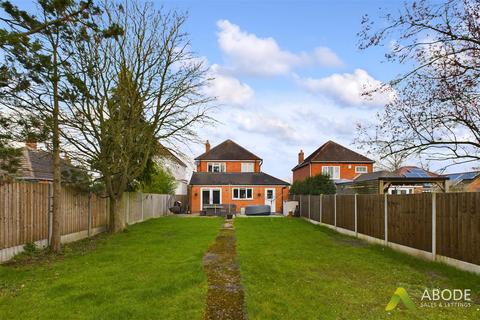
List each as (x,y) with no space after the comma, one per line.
(37,165)
(234,178)
(228,150)
(334,152)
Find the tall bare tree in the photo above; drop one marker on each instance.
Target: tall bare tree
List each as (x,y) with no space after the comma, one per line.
(132,92)
(436,112)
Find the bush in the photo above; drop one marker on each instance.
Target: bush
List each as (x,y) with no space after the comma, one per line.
(319,184)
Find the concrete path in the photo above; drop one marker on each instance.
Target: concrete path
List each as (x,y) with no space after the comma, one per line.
(225,298)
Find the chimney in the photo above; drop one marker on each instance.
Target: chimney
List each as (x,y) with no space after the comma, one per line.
(207,146)
(300,157)
(31,144)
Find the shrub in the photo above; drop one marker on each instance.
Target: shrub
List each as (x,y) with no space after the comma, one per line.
(319,184)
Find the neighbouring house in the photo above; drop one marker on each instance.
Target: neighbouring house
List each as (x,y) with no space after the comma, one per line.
(179,169)
(333,159)
(36,165)
(229,174)
(405,180)
(464,181)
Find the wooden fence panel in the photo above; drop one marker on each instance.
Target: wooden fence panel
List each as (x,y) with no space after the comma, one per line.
(410,220)
(315,208)
(23,213)
(99,207)
(370,215)
(328,209)
(303,203)
(147,206)
(458,226)
(74,206)
(134,207)
(346,211)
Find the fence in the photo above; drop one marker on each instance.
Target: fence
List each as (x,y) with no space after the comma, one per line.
(436,226)
(25,214)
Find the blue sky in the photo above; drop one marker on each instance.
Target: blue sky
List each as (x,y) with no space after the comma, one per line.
(288,73)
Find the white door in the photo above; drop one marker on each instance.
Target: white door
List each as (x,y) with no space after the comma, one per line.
(270,199)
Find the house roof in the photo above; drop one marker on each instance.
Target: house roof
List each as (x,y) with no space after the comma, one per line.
(406,173)
(334,152)
(37,164)
(167,153)
(228,150)
(235,178)
(463,176)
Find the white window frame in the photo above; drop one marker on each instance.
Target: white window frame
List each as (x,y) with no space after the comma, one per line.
(247,165)
(363,167)
(407,189)
(210,190)
(221,165)
(336,169)
(246,193)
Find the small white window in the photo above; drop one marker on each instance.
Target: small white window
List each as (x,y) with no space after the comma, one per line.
(332,171)
(247,166)
(242,194)
(216,167)
(361,169)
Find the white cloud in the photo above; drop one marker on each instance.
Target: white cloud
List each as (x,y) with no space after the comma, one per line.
(267,124)
(248,54)
(349,88)
(227,89)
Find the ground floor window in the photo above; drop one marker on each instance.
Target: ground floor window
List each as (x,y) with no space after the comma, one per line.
(242,193)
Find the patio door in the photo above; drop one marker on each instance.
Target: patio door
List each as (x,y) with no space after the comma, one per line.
(270,199)
(211,196)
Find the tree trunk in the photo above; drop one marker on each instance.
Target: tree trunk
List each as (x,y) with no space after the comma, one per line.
(116,215)
(55,244)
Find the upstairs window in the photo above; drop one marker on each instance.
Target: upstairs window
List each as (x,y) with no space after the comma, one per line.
(361,169)
(216,167)
(242,194)
(247,166)
(332,171)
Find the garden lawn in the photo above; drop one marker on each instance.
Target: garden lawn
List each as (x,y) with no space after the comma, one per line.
(152,271)
(292,269)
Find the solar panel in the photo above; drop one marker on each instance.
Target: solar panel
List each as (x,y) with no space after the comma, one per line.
(416,173)
(463,175)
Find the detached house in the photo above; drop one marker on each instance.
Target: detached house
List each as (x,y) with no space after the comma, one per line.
(229,174)
(335,160)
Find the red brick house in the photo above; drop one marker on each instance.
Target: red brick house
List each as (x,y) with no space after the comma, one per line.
(230,174)
(333,159)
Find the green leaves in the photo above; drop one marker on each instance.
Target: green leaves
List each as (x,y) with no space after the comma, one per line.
(319,184)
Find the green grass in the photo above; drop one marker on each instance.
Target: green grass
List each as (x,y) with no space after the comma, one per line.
(292,269)
(152,271)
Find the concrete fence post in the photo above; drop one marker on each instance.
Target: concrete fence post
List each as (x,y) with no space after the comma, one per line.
(386,219)
(141,199)
(127,207)
(50,213)
(434,226)
(309,198)
(89,215)
(356,214)
(335,210)
(300,206)
(321,207)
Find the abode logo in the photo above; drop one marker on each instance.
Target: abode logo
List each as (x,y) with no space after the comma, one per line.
(400,295)
(432,298)
(446,298)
